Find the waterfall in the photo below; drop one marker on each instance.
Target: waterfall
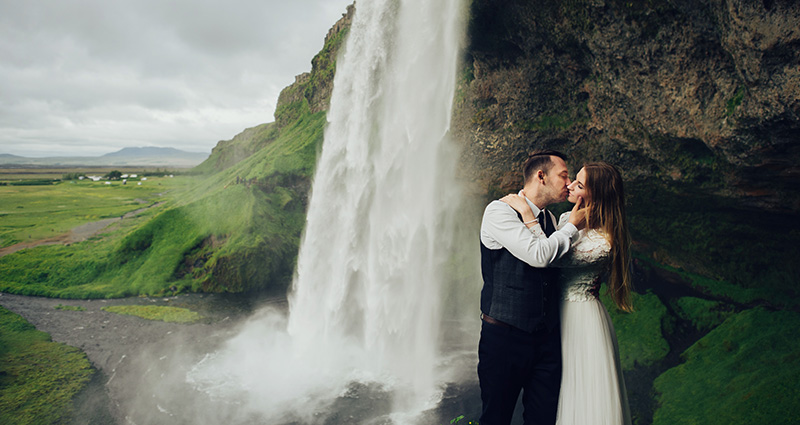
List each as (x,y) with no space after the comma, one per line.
(369,269)
(365,306)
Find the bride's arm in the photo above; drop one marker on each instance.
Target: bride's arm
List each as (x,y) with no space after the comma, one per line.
(518,203)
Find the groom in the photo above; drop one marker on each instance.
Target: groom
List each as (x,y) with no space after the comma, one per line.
(520,345)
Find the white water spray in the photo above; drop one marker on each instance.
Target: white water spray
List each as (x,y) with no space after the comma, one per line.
(366,300)
(369,271)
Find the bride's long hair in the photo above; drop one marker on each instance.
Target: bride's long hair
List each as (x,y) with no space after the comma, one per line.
(606,213)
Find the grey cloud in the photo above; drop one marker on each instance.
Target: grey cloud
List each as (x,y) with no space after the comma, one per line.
(75,72)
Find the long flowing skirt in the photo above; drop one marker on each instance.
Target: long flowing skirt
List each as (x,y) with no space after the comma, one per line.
(592,385)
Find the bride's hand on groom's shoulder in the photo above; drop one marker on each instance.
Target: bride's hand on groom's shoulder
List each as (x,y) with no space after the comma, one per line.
(578,214)
(518,203)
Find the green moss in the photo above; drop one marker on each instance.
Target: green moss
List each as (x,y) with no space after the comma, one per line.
(704,314)
(734,101)
(721,248)
(38,378)
(641,333)
(156,312)
(744,371)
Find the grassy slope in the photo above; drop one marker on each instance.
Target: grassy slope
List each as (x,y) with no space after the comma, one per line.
(744,371)
(38,378)
(235,228)
(234,237)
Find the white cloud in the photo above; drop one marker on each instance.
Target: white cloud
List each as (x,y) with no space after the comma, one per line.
(87,77)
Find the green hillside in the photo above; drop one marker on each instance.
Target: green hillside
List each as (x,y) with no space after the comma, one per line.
(234,227)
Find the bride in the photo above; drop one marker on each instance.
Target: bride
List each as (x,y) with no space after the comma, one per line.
(592,385)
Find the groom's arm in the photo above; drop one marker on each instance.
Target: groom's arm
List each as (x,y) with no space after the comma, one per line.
(501,228)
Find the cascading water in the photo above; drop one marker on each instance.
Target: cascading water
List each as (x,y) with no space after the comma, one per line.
(366,301)
(370,263)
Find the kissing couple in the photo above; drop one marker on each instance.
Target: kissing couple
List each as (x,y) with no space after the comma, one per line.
(544,331)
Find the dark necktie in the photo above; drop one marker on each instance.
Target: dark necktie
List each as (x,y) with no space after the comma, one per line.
(546,223)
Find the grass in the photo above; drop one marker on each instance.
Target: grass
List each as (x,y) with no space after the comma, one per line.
(30,213)
(156,312)
(744,371)
(69,308)
(38,378)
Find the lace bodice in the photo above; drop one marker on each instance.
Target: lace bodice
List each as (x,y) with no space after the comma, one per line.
(587,258)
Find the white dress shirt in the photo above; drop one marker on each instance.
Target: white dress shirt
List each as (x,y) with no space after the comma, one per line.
(502,228)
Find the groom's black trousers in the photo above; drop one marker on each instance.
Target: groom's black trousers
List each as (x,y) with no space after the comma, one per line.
(511,360)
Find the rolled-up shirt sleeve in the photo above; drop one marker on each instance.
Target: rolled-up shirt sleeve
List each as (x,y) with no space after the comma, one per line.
(502,228)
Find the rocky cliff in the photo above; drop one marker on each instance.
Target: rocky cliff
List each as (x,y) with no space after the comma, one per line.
(698,102)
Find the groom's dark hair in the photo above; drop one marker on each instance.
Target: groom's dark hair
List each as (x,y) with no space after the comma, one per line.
(540,160)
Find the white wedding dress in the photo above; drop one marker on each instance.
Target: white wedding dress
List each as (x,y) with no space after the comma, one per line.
(592,386)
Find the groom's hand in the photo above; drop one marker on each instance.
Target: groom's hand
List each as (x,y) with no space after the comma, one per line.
(578,215)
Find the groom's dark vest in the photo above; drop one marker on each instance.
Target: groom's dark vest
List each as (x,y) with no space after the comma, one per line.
(517,294)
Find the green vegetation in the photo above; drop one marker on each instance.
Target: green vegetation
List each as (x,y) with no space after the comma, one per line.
(235,228)
(641,333)
(744,371)
(718,245)
(228,153)
(69,308)
(324,65)
(14,174)
(114,175)
(38,378)
(30,213)
(156,312)
(73,176)
(735,101)
(704,314)
(721,288)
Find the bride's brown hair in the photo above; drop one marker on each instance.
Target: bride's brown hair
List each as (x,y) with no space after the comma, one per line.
(606,212)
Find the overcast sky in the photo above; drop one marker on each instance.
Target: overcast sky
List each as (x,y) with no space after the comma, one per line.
(89,77)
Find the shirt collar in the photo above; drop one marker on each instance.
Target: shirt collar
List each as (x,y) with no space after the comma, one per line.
(533,206)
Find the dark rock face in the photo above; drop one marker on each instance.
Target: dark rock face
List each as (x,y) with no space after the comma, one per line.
(697,102)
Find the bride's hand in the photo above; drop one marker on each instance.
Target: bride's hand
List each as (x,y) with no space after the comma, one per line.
(578,214)
(518,203)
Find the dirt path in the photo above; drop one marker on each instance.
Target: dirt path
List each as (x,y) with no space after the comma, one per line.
(121,347)
(78,234)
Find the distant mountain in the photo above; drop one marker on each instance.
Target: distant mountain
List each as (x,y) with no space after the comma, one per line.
(152,152)
(132,156)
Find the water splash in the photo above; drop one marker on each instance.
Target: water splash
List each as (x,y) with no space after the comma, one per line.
(369,270)
(366,301)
